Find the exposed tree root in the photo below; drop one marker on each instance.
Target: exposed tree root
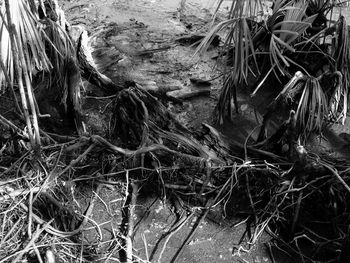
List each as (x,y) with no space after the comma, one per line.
(127,227)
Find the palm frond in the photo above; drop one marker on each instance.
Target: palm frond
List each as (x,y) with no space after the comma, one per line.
(242,52)
(312,107)
(59,48)
(224,25)
(285,32)
(29,31)
(336,97)
(238,9)
(341,55)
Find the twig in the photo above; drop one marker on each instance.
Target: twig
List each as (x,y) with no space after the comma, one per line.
(270,252)
(31,242)
(125,254)
(49,229)
(3,240)
(131,222)
(146,149)
(297,211)
(334,172)
(30,214)
(262,226)
(251,198)
(97,226)
(207,177)
(190,236)
(246,142)
(145,245)
(9,124)
(72,163)
(60,138)
(38,256)
(89,212)
(18,192)
(101,98)
(178,226)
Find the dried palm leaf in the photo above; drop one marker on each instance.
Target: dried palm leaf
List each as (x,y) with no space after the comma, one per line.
(242,54)
(341,55)
(59,48)
(30,34)
(285,32)
(238,9)
(312,107)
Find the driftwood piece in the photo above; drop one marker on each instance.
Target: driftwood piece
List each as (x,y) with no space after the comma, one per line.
(89,69)
(188,93)
(195,40)
(200,82)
